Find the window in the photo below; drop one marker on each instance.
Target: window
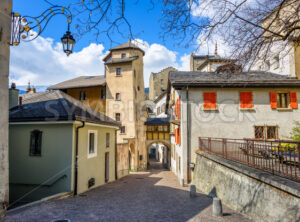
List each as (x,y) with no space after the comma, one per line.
(158,111)
(35,143)
(276,62)
(123,130)
(82,95)
(103,93)
(163,107)
(246,100)
(283,100)
(118,71)
(271,132)
(138,88)
(118,96)
(92,143)
(107,140)
(123,56)
(267,65)
(259,132)
(134,74)
(266,132)
(210,100)
(118,116)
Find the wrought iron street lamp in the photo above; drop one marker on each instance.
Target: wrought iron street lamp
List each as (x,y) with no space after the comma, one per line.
(27,28)
(68,42)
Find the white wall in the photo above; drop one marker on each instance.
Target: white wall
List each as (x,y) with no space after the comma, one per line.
(5,26)
(231,122)
(161,103)
(286,64)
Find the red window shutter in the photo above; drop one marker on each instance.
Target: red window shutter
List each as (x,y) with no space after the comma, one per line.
(179,136)
(294,102)
(179,106)
(273,100)
(176,108)
(210,101)
(246,100)
(176,136)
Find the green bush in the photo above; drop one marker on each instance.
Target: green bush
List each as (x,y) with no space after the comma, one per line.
(295,135)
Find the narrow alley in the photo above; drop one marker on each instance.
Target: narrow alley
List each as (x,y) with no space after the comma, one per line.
(145,196)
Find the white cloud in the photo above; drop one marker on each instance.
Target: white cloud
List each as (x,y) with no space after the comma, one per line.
(43,62)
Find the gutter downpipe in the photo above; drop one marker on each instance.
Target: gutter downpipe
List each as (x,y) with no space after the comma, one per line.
(116,156)
(188,135)
(76,158)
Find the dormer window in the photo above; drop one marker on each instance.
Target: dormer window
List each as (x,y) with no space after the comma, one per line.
(123,56)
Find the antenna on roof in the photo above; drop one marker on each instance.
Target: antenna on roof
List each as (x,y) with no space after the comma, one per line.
(129,40)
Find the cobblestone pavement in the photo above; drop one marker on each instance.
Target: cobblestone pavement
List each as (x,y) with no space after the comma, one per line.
(145,196)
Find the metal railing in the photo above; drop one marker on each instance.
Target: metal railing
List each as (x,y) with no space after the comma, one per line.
(279,157)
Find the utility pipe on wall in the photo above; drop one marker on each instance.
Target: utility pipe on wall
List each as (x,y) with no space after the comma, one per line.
(188,134)
(76,157)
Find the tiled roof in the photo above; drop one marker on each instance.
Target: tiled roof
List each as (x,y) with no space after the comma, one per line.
(56,106)
(156,121)
(121,60)
(80,82)
(243,79)
(127,45)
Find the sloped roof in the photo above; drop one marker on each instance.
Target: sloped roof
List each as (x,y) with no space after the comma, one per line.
(121,60)
(80,82)
(242,79)
(127,45)
(56,106)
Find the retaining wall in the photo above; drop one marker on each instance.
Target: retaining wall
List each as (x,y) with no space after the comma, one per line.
(252,192)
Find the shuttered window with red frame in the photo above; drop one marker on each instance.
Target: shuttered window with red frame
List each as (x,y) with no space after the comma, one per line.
(179,107)
(246,100)
(294,101)
(210,100)
(179,136)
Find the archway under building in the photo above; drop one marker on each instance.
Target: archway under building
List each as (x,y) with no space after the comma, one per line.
(159,155)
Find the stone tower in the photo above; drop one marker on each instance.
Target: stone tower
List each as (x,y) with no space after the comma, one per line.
(125,99)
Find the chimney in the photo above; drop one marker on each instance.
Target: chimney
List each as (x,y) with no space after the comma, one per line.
(216,49)
(20,102)
(13,96)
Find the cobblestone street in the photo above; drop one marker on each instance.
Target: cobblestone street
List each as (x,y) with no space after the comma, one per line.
(146,196)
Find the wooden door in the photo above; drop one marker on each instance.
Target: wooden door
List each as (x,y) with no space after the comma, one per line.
(106,167)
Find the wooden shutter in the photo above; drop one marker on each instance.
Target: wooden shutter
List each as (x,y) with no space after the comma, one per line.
(179,136)
(210,101)
(273,100)
(176,136)
(246,100)
(179,107)
(293,99)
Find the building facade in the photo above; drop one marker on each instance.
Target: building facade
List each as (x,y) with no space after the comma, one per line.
(158,83)
(69,134)
(238,105)
(5,32)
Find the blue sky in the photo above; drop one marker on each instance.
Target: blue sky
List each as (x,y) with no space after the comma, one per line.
(42,62)
(141,15)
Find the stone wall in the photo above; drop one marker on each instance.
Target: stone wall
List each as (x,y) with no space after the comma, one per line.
(122,160)
(5,26)
(255,193)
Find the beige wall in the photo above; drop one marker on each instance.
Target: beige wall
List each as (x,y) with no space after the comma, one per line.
(131,105)
(297,59)
(93,95)
(122,160)
(5,26)
(94,167)
(158,82)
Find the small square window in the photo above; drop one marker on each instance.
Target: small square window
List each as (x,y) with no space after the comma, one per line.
(118,117)
(259,132)
(82,95)
(123,56)
(118,96)
(107,140)
(118,71)
(123,130)
(271,132)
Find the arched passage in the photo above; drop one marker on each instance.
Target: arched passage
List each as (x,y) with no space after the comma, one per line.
(159,154)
